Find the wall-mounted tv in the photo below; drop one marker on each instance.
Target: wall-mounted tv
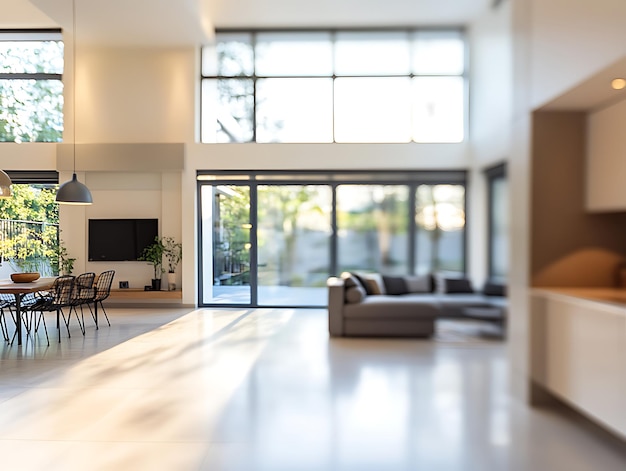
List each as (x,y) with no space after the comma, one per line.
(119,240)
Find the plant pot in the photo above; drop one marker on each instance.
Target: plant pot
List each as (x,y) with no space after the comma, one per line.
(156,285)
(171,281)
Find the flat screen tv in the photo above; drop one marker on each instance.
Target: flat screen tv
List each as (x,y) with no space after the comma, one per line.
(119,240)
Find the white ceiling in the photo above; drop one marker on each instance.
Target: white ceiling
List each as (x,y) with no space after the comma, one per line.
(594,93)
(307,13)
(184,22)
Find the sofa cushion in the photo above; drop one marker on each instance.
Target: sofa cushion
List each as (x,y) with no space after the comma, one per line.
(456,285)
(351,280)
(370,287)
(375,283)
(355,294)
(391,307)
(419,283)
(491,288)
(395,285)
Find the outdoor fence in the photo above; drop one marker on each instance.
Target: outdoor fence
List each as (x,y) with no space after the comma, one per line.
(29,243)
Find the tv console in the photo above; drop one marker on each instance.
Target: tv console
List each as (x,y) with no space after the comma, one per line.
(139,293)
(137,297)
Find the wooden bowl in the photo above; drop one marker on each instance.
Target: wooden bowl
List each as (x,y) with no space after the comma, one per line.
(24,277)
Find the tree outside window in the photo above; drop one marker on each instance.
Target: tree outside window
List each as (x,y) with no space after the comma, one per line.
(29,230)
(31,91)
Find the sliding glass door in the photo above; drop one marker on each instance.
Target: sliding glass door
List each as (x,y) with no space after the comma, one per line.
(440,224)
(373,228)
(225,230)
(294,235)
(273,240)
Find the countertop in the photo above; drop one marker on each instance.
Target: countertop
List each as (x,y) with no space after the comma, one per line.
(610,296)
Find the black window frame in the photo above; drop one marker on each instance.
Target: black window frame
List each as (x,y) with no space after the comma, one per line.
(461,30)
(492,174)
(254,178)
(33,35)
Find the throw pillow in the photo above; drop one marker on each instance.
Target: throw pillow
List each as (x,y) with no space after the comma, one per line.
(363,281)
(349,280)
(419,283)
(492,288)
(395,285)
(355,294)
(457,285)
(375,282)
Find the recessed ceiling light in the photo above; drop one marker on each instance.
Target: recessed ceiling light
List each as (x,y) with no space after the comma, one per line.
(618,83)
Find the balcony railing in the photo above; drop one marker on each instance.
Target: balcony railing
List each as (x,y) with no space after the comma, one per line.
(33,242)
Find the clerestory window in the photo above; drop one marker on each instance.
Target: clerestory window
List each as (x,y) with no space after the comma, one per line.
(334,86)
(31,86)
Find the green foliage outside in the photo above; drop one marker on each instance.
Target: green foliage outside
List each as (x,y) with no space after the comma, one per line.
(386,211)
(31,110)
(29,239)
(232,233)
(31,203)
(280,210)
(375,215)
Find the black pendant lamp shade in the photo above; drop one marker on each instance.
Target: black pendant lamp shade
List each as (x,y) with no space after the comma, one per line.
(74,192)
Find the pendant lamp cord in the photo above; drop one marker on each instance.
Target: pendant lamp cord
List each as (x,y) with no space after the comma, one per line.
(74,81)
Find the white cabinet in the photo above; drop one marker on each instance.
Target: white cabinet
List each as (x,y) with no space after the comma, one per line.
(579,354)
(606,159)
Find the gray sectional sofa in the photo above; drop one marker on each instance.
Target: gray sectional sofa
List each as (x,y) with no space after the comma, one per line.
(378,306)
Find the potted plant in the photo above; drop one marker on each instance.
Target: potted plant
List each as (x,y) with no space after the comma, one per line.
(173,252)
(66,263)
(153,254)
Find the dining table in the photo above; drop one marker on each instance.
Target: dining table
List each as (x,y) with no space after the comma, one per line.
(18,290)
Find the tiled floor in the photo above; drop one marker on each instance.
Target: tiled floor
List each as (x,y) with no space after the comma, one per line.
(268,390)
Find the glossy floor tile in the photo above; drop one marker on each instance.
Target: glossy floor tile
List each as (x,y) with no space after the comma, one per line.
(266,389)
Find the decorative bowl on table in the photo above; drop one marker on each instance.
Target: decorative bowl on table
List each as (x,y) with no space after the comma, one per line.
(25,277)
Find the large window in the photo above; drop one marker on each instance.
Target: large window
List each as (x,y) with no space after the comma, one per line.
(334,86)
(31,87)
(273,239)
(29,225)
(498,220)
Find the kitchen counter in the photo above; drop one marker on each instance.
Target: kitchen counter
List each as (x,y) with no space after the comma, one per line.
(578,354)
(611,296)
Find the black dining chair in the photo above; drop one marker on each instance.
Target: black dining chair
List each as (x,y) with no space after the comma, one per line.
(7,301)
(82,294)
(4,304)
(102,292)
(57,298)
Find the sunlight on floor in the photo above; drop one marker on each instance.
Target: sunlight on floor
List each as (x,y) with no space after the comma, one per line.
(267,389)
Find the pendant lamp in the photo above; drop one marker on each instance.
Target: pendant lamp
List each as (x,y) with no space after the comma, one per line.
(74,192)
(5,185)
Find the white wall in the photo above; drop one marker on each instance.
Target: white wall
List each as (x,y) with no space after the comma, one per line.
(491,86)
(135,95)
(27,156)
(491,90)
